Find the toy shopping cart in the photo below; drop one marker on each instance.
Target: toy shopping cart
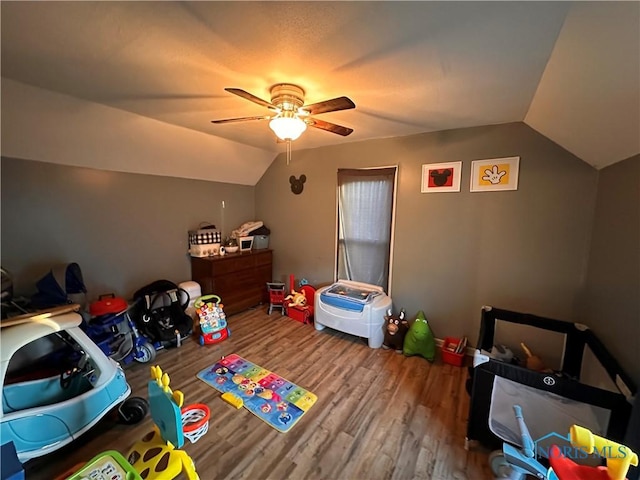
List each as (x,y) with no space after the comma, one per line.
(213,321)
(276,296)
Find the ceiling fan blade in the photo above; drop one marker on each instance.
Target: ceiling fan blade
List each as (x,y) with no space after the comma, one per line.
(250,97)
(329,127)
(241,119)
(333,105)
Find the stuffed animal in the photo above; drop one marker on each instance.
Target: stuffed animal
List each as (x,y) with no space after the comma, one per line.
(298,299)
(419,339)
(396,328)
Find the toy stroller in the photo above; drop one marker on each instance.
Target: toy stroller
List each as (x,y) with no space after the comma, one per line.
(213,321)
(114,331)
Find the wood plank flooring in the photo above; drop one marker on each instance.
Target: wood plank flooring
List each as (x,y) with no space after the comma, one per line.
(379,415)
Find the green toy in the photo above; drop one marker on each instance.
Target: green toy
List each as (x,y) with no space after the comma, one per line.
(419,339)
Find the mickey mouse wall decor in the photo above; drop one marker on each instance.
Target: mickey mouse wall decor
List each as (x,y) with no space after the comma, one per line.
(441,177)
(297,184)
(495,174)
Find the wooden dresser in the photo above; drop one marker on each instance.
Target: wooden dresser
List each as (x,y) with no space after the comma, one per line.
(239,279)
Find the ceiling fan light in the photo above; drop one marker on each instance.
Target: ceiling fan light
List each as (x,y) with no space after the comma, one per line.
(287,127)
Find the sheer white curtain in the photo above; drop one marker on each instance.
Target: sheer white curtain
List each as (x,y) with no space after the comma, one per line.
(365,209)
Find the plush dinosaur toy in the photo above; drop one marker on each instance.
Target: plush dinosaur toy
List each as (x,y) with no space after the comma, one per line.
(396,328)
(419,340)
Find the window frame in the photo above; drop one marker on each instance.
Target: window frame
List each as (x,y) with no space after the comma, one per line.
(396,169)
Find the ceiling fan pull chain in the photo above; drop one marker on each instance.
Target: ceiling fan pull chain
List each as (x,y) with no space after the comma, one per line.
(288,142)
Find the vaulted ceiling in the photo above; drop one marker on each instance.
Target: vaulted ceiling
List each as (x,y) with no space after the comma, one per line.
(570,70)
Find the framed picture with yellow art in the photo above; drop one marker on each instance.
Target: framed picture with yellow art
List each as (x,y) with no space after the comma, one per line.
(495,174)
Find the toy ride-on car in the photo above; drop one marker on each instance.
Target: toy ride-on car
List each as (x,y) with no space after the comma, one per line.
(57,383)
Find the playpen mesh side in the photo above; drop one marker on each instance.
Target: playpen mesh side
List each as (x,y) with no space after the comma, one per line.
(581,351)
(544,412)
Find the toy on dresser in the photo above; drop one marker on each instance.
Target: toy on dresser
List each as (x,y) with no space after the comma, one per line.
(396,327)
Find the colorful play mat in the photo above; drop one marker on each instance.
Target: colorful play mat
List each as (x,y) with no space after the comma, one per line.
(270,397)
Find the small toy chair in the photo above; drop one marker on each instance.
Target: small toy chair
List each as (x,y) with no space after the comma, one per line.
(301,313)
(276,296)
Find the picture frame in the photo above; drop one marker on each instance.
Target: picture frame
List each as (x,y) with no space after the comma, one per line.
(441,177)
(245,243)
(495,174)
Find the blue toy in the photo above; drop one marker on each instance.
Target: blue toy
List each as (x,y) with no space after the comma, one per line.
(44,409)
(515,464)
(10,468)
(118,337)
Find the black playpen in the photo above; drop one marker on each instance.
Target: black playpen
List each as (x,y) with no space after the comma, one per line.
(585,387)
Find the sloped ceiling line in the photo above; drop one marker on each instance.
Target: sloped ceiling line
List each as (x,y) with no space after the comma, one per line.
(568,69)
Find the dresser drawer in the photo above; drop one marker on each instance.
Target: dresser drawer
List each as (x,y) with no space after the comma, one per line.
(264,258)
(235,280)
(232,263)
(238,279)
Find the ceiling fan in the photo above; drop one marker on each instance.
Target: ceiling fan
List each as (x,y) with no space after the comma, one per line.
(290,115)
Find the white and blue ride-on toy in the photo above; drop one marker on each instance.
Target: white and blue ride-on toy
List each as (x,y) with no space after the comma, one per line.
(57,383)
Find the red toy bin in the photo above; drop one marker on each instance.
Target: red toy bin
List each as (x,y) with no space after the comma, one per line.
(452,358)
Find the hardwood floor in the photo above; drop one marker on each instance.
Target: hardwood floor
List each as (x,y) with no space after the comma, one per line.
(379,414)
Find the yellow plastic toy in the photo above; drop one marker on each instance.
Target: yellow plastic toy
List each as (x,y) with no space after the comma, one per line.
(148,455)
(620,459)
(146,459)
(232,399)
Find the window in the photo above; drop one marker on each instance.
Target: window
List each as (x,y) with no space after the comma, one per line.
(366,200)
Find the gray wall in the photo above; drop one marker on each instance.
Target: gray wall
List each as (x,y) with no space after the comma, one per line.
(123,229)
(611,301)
(454,252)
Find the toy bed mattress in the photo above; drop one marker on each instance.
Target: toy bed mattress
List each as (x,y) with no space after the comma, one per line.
(587,386)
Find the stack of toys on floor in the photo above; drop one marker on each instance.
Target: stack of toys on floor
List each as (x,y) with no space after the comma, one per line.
(414,339)
(281,403)
(410,339)
(158,454)
(520,463)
